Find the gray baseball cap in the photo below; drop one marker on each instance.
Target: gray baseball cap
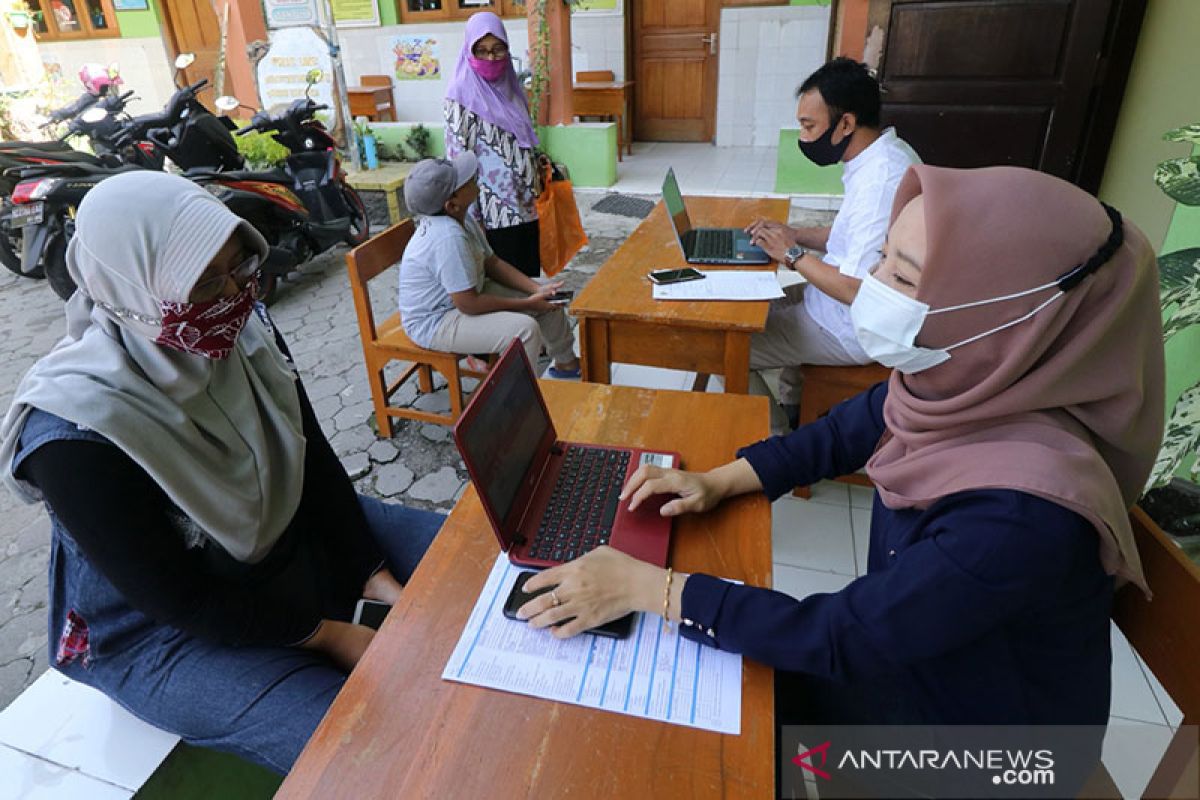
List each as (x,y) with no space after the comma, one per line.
(432,181)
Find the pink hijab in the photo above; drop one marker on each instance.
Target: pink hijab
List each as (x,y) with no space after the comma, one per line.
(1067,405)
(503,102)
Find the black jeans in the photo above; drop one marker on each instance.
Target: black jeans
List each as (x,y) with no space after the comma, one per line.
(519,245)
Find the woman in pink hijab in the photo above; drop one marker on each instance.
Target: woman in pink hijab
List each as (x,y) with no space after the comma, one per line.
(1022,419)
(487,114)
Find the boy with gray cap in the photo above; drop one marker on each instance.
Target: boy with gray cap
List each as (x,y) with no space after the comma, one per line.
(456,294)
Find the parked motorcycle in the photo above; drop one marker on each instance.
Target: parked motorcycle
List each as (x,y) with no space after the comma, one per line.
(302,209)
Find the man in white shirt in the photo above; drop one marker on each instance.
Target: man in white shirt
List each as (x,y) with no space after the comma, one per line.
(838,111)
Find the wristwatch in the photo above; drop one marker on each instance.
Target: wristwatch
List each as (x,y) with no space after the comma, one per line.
(794,254)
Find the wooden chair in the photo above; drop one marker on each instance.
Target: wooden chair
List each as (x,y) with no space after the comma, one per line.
(1165,633)
(824,388)
(388,342)
(379,107)
(595,75)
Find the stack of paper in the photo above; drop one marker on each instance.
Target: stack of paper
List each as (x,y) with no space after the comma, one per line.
(723,285)
(653,674)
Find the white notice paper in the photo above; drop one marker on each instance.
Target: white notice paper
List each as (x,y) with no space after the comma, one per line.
(651,674)
(723,285)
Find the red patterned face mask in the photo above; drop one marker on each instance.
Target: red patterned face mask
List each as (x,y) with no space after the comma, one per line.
(210,328)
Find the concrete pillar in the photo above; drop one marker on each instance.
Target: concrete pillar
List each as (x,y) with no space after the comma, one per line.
(246,25)
(20,63)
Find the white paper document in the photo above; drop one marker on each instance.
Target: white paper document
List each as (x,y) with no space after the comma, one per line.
(652,674)
(723,285)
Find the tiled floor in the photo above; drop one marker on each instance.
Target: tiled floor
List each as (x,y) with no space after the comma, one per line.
(699,168)
(820,545)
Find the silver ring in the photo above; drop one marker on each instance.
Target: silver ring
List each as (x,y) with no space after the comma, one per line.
(554,597)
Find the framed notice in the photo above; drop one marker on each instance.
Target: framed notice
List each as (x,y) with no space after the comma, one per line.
(355,13)
(287,13)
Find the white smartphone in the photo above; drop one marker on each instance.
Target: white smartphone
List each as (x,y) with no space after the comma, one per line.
(371,613)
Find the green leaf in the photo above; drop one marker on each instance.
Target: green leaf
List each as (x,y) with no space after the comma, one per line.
(1180,179)
(1188,133)
(1187,310)
(1181,438)
(1178,269)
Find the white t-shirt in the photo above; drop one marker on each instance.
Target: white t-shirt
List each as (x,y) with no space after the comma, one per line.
(860,227)
(443,257)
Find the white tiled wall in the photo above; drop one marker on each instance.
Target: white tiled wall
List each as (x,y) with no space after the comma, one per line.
(368,51)
(765,54)
(598,42)
(143,62)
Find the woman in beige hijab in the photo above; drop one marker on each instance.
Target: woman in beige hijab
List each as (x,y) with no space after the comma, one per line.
(1018,427)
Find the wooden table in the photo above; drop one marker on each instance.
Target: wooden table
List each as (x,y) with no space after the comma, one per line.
(398,730)
(619,320)
(609,99)
(371,102)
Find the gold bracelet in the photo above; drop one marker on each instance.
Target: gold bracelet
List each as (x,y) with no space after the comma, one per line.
(667,602)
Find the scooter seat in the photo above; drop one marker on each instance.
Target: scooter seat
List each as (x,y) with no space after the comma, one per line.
(271,175)
(67,169)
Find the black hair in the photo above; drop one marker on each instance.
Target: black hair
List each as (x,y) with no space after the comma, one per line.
(847,87)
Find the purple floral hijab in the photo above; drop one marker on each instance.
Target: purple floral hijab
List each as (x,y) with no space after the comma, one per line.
(503,102)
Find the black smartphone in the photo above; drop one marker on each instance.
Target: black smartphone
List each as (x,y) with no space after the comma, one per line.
(617,629)
(371,613)
(561,296)
(665,276)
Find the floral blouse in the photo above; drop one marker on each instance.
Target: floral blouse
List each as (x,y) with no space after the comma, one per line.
(509,181)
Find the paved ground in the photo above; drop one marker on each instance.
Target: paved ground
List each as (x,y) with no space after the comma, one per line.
(419,466)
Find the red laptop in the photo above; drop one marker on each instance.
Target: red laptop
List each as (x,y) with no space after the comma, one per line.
(552,501)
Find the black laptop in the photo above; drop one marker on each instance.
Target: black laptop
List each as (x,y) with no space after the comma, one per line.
(707,245)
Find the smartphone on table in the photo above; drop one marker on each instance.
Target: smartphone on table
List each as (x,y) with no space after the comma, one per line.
(617,629)
(371,613)
(665,276)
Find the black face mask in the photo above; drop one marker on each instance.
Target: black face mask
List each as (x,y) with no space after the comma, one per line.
(822,151)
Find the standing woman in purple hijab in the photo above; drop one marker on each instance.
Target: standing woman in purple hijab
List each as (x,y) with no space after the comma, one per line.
(487,114)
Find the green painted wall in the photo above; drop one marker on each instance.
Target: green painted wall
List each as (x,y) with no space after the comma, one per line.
(1160,95)
(795,174)
(387,12)
(589,150)
(392,135)
(138,24)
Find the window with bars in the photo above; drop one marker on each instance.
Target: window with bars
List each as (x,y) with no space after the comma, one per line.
(57,20)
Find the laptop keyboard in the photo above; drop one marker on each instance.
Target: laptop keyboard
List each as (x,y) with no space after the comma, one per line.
(714,243)
(583,505)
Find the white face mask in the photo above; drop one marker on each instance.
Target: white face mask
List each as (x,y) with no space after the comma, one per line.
(887,322)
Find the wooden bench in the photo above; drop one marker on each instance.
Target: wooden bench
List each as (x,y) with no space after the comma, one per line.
(1165,633)
(824,388)
(387,341)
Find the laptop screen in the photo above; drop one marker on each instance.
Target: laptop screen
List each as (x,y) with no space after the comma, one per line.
(504,435)
(673,200)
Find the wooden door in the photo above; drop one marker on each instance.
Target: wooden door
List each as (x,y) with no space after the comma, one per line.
(972,83)
(675,69)
(192,27)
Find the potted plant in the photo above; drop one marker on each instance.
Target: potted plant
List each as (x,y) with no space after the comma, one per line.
(366,138)
(1174,502)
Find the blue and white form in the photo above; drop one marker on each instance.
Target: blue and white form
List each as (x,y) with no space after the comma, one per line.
(654,674)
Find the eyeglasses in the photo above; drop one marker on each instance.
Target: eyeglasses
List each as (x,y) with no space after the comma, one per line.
(211,288)
(496,52)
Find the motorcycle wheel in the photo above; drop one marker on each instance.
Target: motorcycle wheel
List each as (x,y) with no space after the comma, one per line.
(55,260)
(10,248)
(360,226)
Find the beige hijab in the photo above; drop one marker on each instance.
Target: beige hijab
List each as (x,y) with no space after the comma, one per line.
(223,438)
(1067,405)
